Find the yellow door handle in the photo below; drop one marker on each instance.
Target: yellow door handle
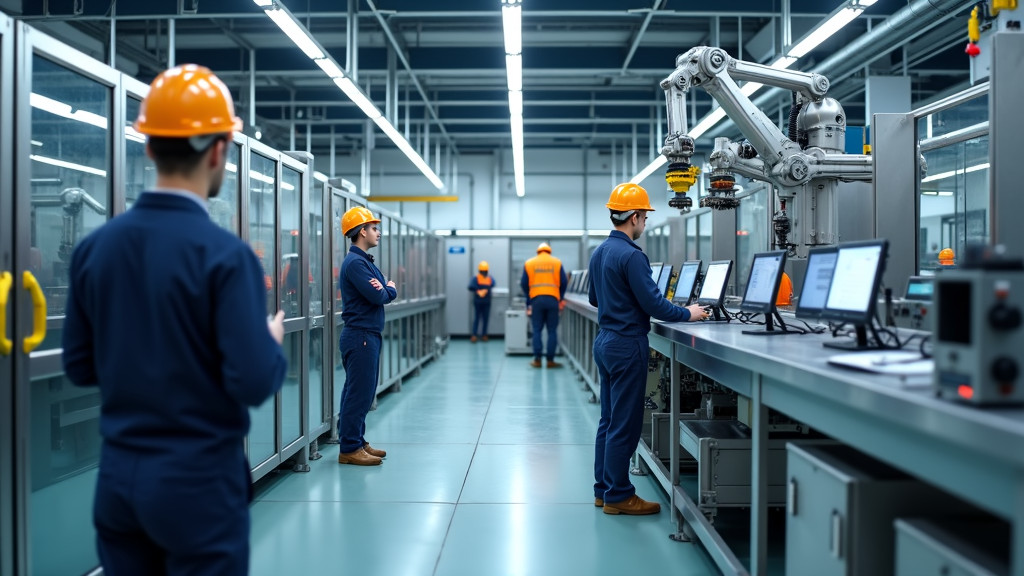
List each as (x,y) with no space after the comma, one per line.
(38,312)
(6,281)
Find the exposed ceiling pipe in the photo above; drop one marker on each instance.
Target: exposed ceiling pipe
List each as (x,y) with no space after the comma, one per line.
(640,34)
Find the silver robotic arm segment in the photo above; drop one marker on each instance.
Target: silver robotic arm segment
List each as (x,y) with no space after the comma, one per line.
(72,200)
(812,85)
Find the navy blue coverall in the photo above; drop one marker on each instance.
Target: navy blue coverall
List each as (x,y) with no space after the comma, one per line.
(166,313)
(544,314)
(363,314)
(626,297)
(481,305)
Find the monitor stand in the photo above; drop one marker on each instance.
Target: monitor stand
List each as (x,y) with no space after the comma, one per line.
(769,328)
(860,343)
(723,317)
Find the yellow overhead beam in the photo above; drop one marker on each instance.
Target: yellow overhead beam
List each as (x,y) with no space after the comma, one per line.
(413,198)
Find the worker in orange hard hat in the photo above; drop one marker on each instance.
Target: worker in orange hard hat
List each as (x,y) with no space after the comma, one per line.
(167,316)
(364,292)
(544,282)
(947,259)
(481,285)
(626,297)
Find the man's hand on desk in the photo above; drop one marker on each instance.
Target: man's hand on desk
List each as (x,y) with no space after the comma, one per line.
(697,312)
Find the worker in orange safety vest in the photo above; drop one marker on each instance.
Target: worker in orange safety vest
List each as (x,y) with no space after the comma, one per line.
(544,282)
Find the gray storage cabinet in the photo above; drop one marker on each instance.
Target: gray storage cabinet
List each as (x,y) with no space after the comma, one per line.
(955,547)
(841,506)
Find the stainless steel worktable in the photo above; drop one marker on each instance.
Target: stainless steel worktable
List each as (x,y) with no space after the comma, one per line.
(973,453)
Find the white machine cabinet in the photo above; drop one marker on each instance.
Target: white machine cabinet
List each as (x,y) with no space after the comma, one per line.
(517,332)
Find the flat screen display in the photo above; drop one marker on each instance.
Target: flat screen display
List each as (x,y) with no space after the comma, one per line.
(852,293)
(712,291)
(821,262)
(656,271)
(763,283)
(920,288)
(688,273)
(666,274)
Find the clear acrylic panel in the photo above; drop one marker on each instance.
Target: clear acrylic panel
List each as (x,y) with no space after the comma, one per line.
(139,171)
(316,377)
(223,205)
(316,249)
(292,277)
(751,234)
(262,229)
(291,423)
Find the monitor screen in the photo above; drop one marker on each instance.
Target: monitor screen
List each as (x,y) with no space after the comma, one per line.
(852,294)
(585,282)
(688,273)
(712,291)
(656,271)
(666,274)
(920,288)
(763,283)
(821,262)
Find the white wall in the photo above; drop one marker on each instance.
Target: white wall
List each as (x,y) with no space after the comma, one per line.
(565,189)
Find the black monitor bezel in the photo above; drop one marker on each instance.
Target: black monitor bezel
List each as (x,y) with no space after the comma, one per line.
(585,282)
(802,310)
(720,301)
(922,280)
(666,273)
(764,307)
(675,291)
(858,317)
(661,268)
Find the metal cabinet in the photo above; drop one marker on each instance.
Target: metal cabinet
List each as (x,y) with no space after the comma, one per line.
(955,547)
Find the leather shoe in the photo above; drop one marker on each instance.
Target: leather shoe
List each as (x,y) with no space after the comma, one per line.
(484,338)
(598,502)
(373,451)
(535,364)
(553,364)
(472,338)
(358,457)
(634,506)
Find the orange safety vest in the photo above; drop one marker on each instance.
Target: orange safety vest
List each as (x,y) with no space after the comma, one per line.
(483,281)
(544,273)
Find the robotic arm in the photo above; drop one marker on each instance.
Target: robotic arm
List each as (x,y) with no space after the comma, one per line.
(808,161)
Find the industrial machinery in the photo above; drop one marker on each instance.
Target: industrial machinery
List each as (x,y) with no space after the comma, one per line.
(979,332)
(805,166)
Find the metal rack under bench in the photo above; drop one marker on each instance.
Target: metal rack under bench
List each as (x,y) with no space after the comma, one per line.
(972,453)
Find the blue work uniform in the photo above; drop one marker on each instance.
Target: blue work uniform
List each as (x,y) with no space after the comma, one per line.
(541,299)
(166,313)
(363,314)
(626,298)
(481,304)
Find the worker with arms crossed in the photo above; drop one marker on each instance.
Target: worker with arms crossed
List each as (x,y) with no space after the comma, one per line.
(626,298)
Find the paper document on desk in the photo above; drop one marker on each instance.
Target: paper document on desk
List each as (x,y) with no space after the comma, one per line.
(910,365)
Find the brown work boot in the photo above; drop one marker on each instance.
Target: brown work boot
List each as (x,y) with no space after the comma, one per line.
(553,364)
(634,506)
(472,338)
(373,451)
(536,363)
(484,338)
(358,457)
(598,502)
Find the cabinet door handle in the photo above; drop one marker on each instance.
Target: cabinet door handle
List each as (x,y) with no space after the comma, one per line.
(38,312)
(6,281)
(791,497)
(836,544)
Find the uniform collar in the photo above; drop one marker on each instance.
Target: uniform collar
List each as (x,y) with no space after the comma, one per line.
(183,194)
(357,250)
(622,236)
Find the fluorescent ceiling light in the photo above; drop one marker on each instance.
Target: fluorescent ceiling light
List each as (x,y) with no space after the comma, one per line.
(750,87)
(63,110)
(707,122)
(654,165)
(512,17)
(68,165)
(517,154)
(230,167)
(330,67)
(356,95)
(36,143)
(132,134)
(824,31)
(261,177)
(406,149)
(262,3)
(516,233)
(515,102)
(293,30)
(514,71)
(951,173)
(783,62)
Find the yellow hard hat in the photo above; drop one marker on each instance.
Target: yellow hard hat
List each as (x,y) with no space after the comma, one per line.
(629,196)
(186,101)
(946,257)
(543,248)
(483,267)
(356,217)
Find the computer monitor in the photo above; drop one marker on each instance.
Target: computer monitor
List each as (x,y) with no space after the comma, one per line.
(853,292)
(763,283)
(712,290)
(920,288)
(686,281)
(656,271)
(821,262)
(585,282)
(666,274)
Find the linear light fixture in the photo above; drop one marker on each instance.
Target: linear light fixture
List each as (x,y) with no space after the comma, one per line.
(951,173)
(63,110)
(68,165)
(298,34)
(842,16)
(512,18)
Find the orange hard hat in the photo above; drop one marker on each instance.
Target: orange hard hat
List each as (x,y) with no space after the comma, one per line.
(785,297)
(946,257)
(186,101)
(483,267)
(543,248)
(629,196)
(356,217)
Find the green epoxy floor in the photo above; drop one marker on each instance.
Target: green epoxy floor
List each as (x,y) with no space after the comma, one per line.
(489,473)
